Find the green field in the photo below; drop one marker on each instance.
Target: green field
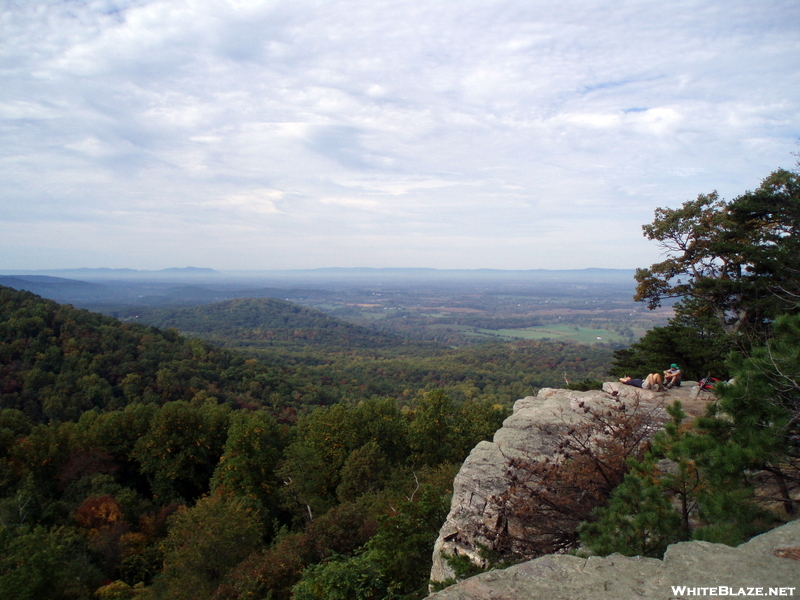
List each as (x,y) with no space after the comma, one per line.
(556,333)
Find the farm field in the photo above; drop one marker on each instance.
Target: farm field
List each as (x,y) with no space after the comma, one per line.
(560,333)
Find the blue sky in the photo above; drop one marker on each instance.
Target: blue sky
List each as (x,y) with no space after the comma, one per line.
(513,134)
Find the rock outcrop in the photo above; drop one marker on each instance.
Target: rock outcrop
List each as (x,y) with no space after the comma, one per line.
(767,565)
(533,431)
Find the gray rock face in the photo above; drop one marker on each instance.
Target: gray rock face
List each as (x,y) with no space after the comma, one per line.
(767,565)
(533,431)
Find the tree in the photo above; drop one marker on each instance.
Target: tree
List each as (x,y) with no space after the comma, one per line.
(441,432)
(638,521)
(725,477)
(181,449)
(758,414)
(392,565)
(692,484)
(699,346)
(364,471)
(737,261)
(721,477)
(204,543)
(430,430)
(272,573)
(36,563)
(357,442)
(249,460)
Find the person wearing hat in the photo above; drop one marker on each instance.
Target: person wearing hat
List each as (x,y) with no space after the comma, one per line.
(672,376)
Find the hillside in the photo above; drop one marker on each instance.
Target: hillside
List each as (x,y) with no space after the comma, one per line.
(57,362)
(319,351)
(267,322)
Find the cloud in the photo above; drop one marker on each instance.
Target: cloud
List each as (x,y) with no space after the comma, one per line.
(255,201)
(389,133)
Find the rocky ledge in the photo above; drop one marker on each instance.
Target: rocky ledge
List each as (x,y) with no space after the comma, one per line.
(767,565)
(533,431)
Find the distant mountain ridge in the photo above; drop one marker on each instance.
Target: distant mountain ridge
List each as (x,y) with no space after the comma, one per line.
(91,294)
(111,273)
(107,290)
(58,288)
(370,272)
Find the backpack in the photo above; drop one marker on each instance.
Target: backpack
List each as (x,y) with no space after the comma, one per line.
(708,382)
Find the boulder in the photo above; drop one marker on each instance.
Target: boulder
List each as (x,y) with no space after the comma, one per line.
(533,431)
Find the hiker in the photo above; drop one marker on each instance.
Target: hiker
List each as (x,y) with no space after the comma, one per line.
(652,382)
(672,376)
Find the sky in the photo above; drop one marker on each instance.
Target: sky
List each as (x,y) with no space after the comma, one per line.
(451,134)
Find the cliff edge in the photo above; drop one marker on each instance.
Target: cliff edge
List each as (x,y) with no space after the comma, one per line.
(534,430)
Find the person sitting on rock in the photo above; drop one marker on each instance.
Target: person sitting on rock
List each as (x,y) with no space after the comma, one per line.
(672,376)
(652,382)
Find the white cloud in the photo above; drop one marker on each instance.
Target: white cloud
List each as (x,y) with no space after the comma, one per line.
(385,132)
(255,201)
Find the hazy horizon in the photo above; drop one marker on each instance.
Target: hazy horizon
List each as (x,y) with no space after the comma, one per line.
(203,270)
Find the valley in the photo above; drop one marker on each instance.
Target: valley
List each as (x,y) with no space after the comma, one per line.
(455,308)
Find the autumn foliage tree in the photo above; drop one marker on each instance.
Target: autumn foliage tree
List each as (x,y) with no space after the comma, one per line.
(204,543)
(181,449)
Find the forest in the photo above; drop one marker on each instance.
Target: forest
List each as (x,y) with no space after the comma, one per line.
(254,448)
(137,461)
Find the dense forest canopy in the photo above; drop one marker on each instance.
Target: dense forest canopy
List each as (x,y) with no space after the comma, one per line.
(57,362)
(137,461)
